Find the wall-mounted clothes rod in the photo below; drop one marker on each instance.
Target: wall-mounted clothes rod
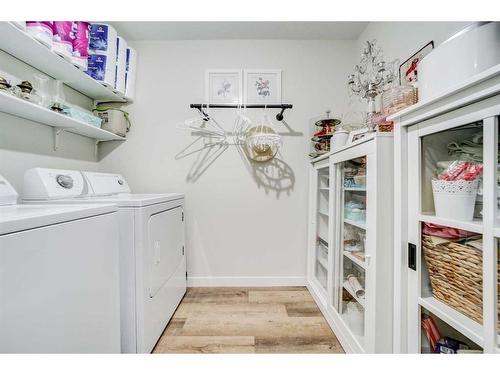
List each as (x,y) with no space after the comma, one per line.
(279,116)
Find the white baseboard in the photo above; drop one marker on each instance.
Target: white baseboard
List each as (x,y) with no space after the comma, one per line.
(246,281)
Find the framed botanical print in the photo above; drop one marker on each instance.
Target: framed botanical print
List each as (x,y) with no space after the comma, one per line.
(223,86)
(262,86)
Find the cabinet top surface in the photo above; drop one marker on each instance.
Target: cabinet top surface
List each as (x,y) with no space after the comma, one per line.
(466,92)
(361,141)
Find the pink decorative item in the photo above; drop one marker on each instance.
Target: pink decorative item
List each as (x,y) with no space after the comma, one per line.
(62,40)
(461,170)
(449,233)
(81,44)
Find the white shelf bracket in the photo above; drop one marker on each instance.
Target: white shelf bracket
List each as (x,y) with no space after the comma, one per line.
(57,133)
(96,148)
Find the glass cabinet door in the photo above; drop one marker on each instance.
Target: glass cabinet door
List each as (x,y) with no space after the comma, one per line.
(445,233)
(322,226)
(352,240)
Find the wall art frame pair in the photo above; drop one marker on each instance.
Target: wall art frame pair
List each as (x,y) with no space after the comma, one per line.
(247,86)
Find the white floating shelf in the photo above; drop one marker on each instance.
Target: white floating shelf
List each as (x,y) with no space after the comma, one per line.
(22,46)
(359,224)
(471,226)
(355,259)
(323,213)
(460,322)
(347,287)
(21,108)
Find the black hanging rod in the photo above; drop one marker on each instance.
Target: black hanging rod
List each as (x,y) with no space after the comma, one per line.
(279,116)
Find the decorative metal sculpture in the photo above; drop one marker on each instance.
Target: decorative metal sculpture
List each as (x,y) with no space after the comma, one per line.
(371,74)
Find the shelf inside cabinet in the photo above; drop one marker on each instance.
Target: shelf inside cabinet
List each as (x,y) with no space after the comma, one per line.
(323,213)
(15,106)
(359,224)
(355,259)
(322,262)
(468,327)
(25,48)
(355,188)
(475,226)
(347,287)
(323,241)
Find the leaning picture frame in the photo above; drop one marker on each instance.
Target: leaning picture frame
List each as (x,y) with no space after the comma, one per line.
(408,72)
(356,135)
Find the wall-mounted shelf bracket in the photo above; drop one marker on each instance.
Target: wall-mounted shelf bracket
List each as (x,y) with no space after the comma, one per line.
(96,147)
(57,132)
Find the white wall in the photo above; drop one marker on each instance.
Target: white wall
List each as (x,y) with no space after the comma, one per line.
(238,231)
(25,144)
(399,40)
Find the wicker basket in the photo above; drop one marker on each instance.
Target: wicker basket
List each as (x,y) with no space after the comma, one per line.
(456,276)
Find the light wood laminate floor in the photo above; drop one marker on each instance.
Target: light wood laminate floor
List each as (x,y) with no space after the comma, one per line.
(248,320)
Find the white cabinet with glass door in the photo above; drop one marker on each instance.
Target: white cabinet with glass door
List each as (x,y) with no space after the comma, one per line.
(356,298)
(448,236)
(361,295)
(319,268)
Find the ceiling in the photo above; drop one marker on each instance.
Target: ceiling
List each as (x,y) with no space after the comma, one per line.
(238,30)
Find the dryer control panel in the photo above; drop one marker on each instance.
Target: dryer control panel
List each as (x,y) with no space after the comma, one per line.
(105,183)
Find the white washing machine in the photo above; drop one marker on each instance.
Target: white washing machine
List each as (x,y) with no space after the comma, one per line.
(152,251)
(59,281)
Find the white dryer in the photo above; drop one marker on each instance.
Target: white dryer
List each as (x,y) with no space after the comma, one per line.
(59,282)
(152,251)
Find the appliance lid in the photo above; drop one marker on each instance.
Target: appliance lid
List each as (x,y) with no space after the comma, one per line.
(133,200)
(105,183)
(21,217)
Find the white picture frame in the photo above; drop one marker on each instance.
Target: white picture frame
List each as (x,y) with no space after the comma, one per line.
(262,86)
(223,86)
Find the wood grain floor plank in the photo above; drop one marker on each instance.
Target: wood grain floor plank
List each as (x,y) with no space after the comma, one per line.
(303,309)
(216,295)
(321,344)
(205,344)
(192,309)
(278,296)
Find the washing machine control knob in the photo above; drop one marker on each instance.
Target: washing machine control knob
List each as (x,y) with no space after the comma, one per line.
(64,181)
